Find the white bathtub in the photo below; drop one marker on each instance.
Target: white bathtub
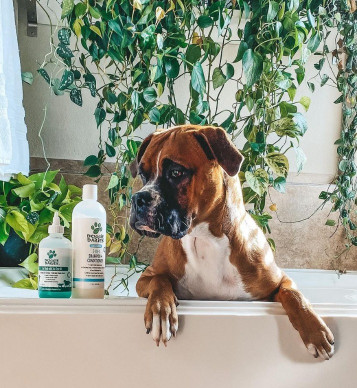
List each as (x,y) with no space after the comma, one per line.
(102,343)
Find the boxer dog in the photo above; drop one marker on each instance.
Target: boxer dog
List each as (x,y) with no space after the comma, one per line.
(212,248)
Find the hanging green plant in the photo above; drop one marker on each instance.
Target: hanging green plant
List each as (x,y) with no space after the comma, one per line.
(137,57)
(337,67)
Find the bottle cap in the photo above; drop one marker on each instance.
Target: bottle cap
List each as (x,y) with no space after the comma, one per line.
(90,192)
(56,226)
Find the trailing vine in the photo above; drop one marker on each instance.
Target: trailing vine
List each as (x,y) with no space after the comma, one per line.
(340,17)
(135,57)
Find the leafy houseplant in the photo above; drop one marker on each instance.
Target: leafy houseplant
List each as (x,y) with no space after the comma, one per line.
(27,205)
(340,58)
(135,56)
(132,56)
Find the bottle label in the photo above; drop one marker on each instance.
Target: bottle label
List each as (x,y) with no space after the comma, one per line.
(88,241)
(55,269)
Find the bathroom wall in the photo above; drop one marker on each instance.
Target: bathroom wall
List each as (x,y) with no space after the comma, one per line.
(69,134)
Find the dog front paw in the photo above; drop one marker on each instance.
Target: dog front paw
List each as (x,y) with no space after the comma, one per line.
(161,317)
(318,338)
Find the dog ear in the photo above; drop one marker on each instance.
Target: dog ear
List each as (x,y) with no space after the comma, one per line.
(217,145)
(133,167)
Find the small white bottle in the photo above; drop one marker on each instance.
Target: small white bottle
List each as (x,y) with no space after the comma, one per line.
(89,222)
(55,263)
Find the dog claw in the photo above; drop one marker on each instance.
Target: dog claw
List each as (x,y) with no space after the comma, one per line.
(148,331)
(157,343)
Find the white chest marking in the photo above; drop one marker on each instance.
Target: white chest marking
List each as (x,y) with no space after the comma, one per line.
(208,272)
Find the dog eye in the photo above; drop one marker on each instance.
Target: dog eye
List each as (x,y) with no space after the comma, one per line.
(176,174)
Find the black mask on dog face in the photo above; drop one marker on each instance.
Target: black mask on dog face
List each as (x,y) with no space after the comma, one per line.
(155,208)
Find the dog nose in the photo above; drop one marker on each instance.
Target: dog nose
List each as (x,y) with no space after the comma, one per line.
(141,199)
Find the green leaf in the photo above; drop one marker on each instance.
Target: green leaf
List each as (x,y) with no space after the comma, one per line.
(218,78)
(43,178)
(229,71)
(204,21)
(198,79)
(19,223)
(147,36)
(32,218)
(99,115)
(273,10)
(300,123)
(93,171)
(96,30)
(132,148)
(4,229)
(258,181)
(80,9)
(252,66)
(94,12)
(300,158)
(226,123)
(311,18)
(138,119)
(172,67)
(64,35)
(154,115)
(135,99)
(90,83)
(279,184)
(30,263)
(39,234)
(44,74)
(64,51)
(150,94)
(305,102)
(76,96)
(110,150)
(109,96)
(65,211)
(22,179)
(25,191)
(292,92)
(67,8)
(271,242)
(193,54)
(278,163)
(324,79)
(66,80)
(27,77)
(114,181)
(24,283)
(311,86)
(90,160)
(330,222)
(243,47)
(314,42)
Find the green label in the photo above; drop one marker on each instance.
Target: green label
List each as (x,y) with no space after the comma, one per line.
(47,268)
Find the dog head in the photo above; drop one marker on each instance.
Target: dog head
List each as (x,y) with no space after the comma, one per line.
(182,170)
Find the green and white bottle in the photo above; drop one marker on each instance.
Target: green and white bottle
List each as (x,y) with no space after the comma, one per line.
(55,263)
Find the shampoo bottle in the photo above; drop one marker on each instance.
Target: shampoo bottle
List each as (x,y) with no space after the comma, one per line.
(55,263)
(88,239)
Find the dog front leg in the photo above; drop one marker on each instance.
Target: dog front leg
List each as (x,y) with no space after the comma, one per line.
(316,336)
(160,315)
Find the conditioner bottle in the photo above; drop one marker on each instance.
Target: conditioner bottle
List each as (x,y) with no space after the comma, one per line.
(88,239)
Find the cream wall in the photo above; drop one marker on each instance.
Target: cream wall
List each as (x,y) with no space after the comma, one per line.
(69,131)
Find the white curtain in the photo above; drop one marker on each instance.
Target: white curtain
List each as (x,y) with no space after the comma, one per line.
(14,151)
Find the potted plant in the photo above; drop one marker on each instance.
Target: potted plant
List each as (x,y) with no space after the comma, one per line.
(27,205)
